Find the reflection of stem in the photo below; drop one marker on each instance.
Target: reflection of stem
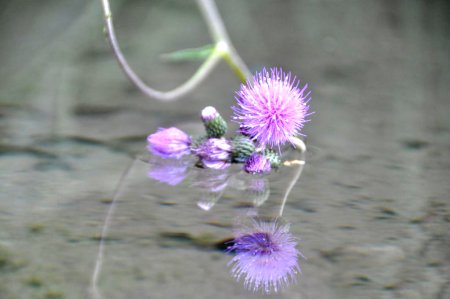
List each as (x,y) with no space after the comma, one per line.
(101,248)
(300,146)
(223,49)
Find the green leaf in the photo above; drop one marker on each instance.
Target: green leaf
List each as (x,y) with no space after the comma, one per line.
(189,54)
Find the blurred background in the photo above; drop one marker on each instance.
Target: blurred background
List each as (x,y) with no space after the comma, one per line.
(372,207)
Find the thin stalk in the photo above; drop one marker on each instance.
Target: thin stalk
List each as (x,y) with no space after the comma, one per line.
(299,146)
(243,75)
(219,34)
(96,294)
(203,71)
(224,49)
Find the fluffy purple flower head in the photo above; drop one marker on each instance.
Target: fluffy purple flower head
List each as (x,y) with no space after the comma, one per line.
(271,108)
(169,143)
(214,153)
(257,164)
(266,257)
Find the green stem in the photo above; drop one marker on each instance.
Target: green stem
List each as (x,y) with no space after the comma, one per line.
(241,74)
(224,50)
(220,35)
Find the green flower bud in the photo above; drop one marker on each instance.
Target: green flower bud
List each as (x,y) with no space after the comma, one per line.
(215,125)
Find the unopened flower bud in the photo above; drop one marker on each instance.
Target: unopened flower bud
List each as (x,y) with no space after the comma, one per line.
(169,143)
(215,125)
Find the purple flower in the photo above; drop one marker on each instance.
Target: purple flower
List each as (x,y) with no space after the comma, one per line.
(257,164)
(214,153)
(271,108)
(168,173)
(266,256)
(169,143)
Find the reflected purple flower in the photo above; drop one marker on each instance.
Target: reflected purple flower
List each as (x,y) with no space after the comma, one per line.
(212,185)
(259,191)
(266,256)
(169,143)
(170,172)
(214,153)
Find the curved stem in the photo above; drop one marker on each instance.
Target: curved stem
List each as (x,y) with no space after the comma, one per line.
(224,49)
(300,146)
(185,88)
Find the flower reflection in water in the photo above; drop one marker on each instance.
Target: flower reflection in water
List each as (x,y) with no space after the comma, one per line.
(211,184)
(170,171)
(259,191)
(266,256)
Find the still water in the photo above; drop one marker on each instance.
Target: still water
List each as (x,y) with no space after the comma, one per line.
(82,215)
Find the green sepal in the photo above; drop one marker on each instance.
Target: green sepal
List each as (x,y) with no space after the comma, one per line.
(216,128)
(242,148)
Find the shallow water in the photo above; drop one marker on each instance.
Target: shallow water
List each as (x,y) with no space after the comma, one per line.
(371,209)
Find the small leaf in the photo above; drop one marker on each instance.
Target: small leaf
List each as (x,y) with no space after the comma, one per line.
(189,54)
